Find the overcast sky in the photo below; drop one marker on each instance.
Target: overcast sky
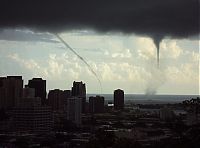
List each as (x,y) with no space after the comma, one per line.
(115,40)
(120,61)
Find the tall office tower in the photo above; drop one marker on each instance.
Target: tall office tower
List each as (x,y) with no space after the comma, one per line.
(67,94)
(74,108)
(29,116)
(2,97)
(2,79)
(10,90)
(2,92)
(96,104)
(40,88)
(79,90)
(56,99)
(118,99)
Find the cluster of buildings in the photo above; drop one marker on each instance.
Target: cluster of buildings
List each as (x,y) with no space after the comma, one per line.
(76,119)
(33,110)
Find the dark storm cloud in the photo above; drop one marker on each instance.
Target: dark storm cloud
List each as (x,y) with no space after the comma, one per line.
(155,18)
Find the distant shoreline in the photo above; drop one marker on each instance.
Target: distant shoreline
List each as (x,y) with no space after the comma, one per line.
(149,99)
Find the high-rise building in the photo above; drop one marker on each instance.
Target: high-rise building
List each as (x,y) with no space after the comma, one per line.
(118,99)
(2,97)
(96,104)
(74,108)
(79,90)
(67,94)
(10,90)
(57,99)
(2,92)
(30,94)
(40,88)
(2,79)
(29,116)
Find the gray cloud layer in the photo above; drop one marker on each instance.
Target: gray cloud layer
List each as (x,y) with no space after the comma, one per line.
(155,18)
(25,35)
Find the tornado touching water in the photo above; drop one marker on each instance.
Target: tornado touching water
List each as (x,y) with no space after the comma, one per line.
(82,59)
(157,75)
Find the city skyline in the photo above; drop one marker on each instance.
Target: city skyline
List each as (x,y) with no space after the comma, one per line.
(100,73)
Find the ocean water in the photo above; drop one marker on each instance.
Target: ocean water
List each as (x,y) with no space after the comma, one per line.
(149,99)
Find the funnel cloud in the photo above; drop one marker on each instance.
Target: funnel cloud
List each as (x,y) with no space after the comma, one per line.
(157,39)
